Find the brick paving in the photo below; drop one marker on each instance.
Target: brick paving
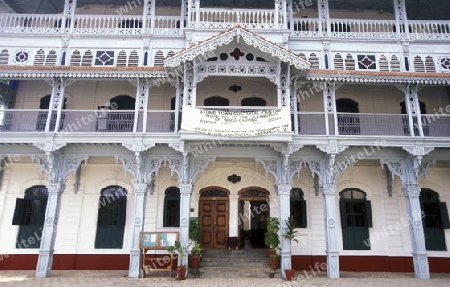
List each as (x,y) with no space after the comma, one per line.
(119,279)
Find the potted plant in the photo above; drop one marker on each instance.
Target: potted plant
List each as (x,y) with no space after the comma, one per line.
(196,254)
(181,251)
(194,235)
(272,240)
(289,232)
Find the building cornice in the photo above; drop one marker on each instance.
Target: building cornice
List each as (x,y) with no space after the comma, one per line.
(81,72)
(379,77)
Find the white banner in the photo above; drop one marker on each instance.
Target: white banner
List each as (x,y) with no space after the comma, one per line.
(236,124)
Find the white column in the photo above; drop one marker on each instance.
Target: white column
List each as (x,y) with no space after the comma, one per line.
(284,195)
(412,106)
(149,13)
(70,6)
(185,206)
(140,199)
(233,216)
(294,107)
(45,259)
(420,258)
(142,95)
(332,251)
(190,85)
(401,18)
(178,106)
(324,17)
(56,104)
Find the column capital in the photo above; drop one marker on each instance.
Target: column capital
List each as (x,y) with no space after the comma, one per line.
(284,189)
(55,188)
(329,189)
(140,188)
(411,190)
(186,188)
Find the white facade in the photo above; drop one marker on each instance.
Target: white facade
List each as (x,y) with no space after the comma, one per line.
(340,77)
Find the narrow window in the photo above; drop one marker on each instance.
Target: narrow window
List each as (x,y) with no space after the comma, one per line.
(172,207)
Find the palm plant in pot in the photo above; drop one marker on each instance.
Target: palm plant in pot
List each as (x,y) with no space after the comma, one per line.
(182,252)
(272,240)
(289,232)
(194,235)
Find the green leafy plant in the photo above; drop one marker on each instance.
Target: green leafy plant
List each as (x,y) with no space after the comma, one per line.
(194,229)
(181,250)
(271,237)
(196,250)
(289,231)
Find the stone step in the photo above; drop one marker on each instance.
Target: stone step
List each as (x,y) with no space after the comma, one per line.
(244,263)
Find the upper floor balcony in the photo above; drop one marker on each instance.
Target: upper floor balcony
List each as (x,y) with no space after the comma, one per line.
(332,19)
(359,111)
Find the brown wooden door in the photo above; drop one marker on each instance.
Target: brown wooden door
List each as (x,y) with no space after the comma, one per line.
(214,223)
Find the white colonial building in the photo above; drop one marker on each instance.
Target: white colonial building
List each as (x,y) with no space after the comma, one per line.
(118,117)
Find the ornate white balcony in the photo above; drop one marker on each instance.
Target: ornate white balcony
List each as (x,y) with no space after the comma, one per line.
(163,121)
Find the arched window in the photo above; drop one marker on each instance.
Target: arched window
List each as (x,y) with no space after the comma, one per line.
(435,219)
(356,218)
(111,217)
(216,101)
(348,123)
(298,207)
(171,207)
(29,214)
(253,101)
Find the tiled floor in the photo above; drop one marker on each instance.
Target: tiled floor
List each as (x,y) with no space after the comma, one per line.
(119,278)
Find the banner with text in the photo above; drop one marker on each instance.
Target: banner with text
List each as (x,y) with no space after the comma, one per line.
(236,124)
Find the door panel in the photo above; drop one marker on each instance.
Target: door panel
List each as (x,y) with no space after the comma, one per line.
(214,223)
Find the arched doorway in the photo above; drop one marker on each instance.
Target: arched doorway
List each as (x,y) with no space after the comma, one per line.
(356,218)
(214,217)
(253,211)
(112,208)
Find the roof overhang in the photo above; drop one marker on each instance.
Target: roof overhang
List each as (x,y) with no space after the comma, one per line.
(238,33)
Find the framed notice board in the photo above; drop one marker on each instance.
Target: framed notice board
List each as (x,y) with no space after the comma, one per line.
(157,240)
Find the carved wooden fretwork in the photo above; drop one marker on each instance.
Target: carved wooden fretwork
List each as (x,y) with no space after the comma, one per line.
(249,38)
(213,193)
(252,194)
(238,68)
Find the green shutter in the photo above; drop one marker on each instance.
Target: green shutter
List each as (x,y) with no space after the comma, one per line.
(303,221)
(121,210)
(444,215)
(19,211)
(369,213)
(343,213)
(42,209)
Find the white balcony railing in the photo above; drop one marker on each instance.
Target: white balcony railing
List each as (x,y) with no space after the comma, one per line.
(359,28)
(164,121)
(32,23)
(429,30)
(212,18)
(161,121)
(107,25)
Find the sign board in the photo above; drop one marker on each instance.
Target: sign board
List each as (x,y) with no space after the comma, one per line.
(157,240)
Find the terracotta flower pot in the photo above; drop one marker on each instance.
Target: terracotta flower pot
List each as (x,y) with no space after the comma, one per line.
(181,272)
(195,261)
(274,263)
(289,274)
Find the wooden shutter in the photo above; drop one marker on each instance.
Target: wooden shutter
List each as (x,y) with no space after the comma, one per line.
(42,209)
(303,221)
(343,213)
(19,211)
(444,215)
(121,210)
(369,213)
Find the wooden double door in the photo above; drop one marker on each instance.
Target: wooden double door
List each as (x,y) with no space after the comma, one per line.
(214,215)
